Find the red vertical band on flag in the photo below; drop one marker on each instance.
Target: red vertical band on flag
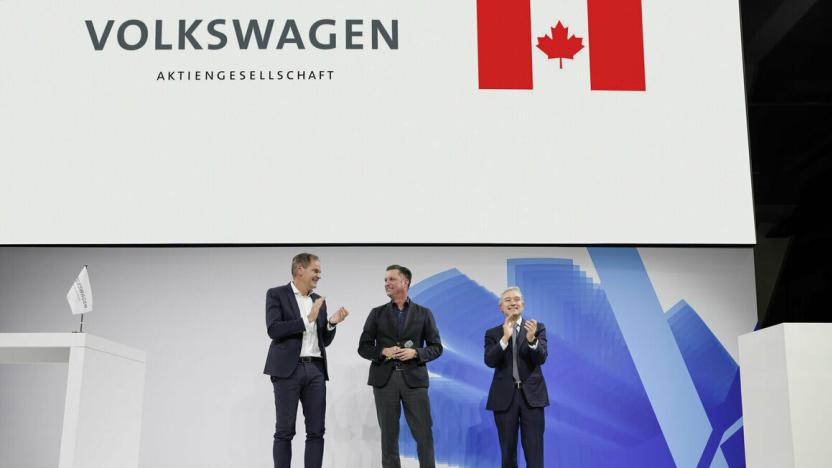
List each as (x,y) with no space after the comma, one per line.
(504,43)
(616,45)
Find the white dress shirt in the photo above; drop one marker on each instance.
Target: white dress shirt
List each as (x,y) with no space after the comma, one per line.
(519,327)
(309,347)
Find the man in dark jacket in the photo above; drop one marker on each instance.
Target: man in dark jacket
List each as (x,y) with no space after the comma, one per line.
(399,338)
(297,324)
(516,350)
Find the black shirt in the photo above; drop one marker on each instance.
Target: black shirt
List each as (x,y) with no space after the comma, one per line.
(401,314)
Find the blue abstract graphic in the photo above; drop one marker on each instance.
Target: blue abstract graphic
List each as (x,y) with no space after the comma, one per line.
(631,385)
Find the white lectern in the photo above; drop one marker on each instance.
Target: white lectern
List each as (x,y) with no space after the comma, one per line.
(786,378)
(104,392)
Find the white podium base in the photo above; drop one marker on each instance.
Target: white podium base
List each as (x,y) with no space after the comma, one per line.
(786,377)
(104,393)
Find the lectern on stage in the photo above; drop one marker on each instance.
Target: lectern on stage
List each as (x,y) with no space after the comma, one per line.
(104,392)
(786,378)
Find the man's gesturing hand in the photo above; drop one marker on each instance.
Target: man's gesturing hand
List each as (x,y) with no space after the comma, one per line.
(316,307)
(339,316)
(508,327)
(531,329)
(390,353)
(405,354)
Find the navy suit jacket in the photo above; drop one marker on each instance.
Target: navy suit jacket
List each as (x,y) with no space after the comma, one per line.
(285,327)
(380,332)
(528,366)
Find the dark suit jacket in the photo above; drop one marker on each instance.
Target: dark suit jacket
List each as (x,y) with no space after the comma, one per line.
(285,327)
(528,365)
(380,332)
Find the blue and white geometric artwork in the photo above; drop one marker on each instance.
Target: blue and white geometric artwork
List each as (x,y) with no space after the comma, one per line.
(631,385)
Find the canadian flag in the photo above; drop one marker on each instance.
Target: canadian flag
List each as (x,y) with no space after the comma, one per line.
(506,41)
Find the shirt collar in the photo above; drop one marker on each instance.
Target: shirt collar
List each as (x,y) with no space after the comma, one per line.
(297,291)
(406,303)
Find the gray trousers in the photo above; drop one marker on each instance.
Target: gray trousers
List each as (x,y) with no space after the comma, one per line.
(389,402)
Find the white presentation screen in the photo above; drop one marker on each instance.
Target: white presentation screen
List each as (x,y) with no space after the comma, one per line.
(373,121)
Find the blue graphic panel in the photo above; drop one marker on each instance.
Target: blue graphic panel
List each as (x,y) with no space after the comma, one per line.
(734,449)
(600,414)
(680,414)
(714,372)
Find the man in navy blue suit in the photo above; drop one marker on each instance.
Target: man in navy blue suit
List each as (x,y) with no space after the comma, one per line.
(296,322)
(516,350)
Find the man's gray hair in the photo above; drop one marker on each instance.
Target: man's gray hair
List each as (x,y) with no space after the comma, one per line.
(302,260)
(513,288)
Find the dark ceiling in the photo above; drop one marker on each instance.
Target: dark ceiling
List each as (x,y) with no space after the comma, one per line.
(787,51)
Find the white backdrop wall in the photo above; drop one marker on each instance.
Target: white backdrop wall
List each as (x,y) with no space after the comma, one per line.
(199,315)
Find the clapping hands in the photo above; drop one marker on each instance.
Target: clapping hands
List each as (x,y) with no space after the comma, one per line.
(339,316)
(531,330)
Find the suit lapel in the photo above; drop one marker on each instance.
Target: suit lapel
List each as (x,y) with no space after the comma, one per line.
(391,319)
(293,302)
(321,327)
(411,310)
(314,298)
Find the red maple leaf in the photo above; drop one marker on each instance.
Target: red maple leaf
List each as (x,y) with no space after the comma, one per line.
(560,45)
